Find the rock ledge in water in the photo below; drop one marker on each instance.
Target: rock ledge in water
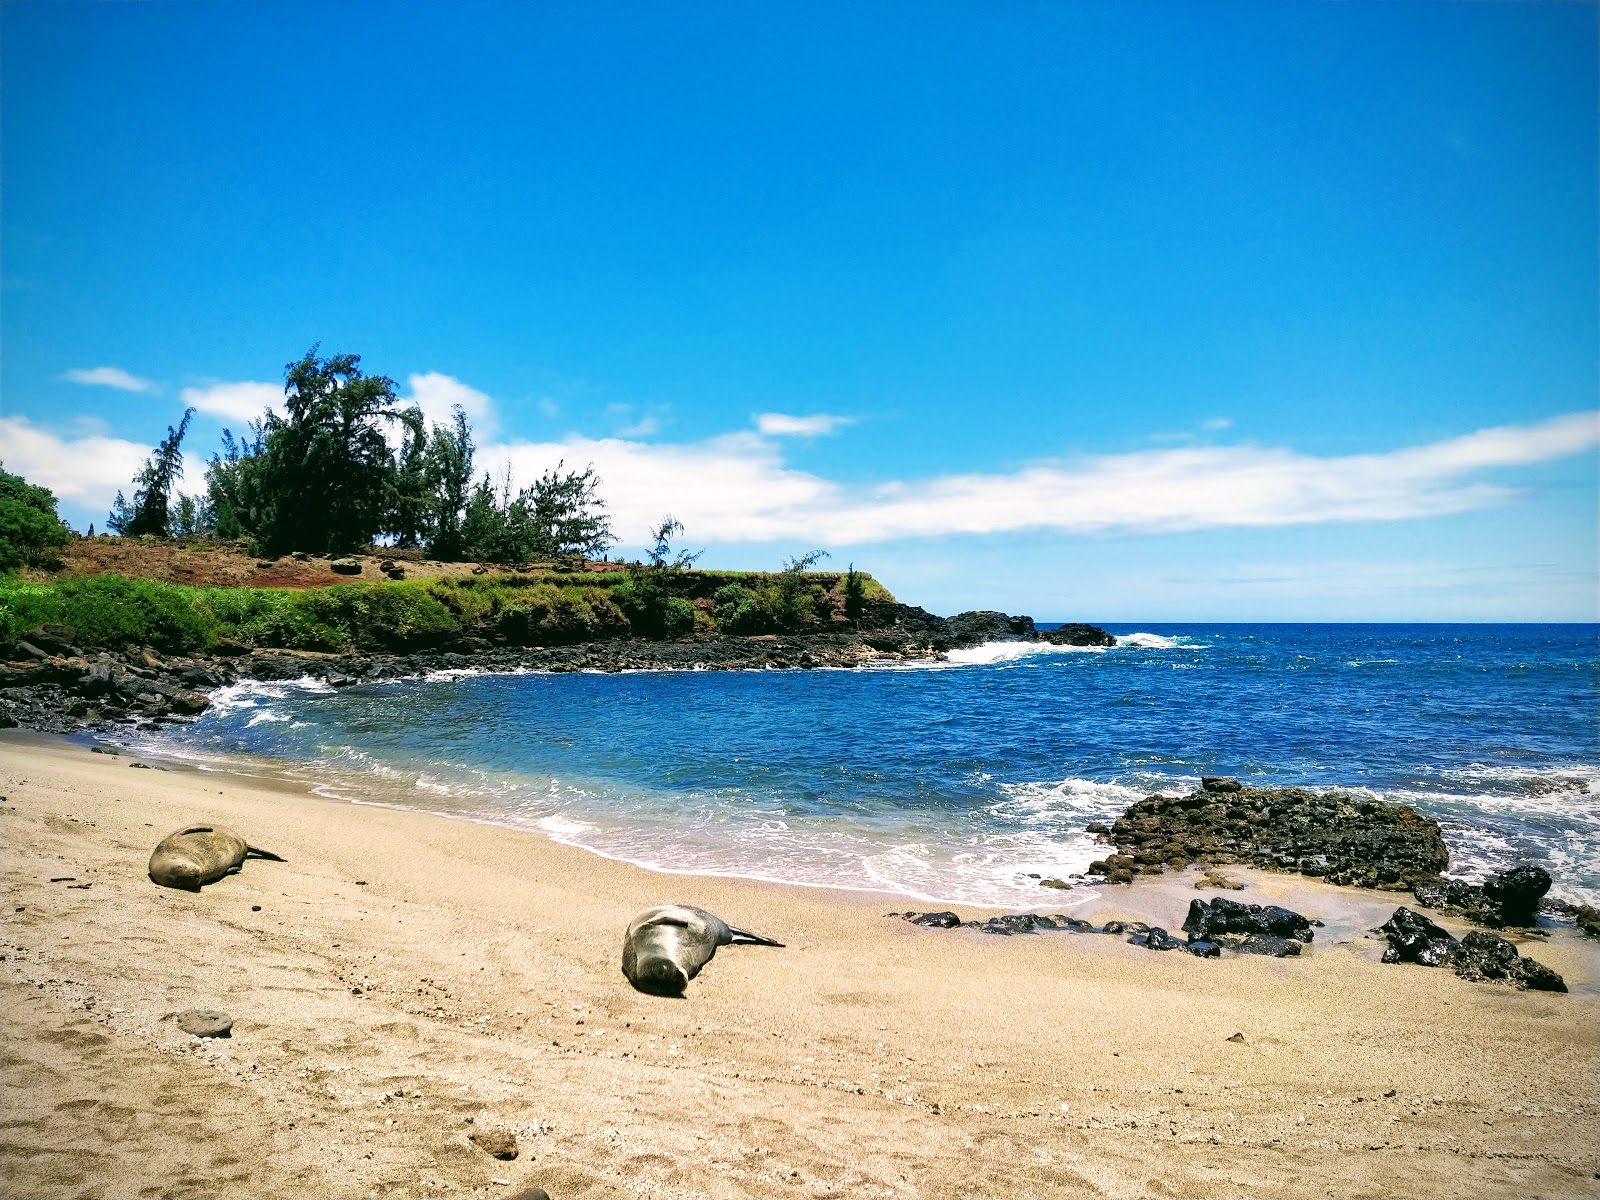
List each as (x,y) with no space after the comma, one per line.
(1347,840)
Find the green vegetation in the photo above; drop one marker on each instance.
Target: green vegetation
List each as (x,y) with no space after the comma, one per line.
(31,533)
(541,609)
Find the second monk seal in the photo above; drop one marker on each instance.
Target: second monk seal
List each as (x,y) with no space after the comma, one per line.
(666,946)
(200,854)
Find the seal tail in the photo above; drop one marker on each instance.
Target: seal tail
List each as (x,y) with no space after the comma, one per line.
(743,937)
(256,852)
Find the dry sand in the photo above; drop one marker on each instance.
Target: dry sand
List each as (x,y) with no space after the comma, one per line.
(405,979)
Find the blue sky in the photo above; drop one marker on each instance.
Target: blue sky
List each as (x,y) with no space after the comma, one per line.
(1114,312)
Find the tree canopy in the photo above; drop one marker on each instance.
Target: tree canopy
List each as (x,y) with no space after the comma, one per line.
(347,464)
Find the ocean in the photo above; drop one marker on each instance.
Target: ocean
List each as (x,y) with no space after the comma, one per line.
(967,781)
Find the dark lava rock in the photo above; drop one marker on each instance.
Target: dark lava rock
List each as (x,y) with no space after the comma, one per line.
(1414,938)
(1508,898)
(345,566)
(1517,892)
(935,920)
(1365,843)
(1205,949)
(1157,938)
(1208,919)
(1220,783)
(1483,956)
(1076,634)
(975,628)
(1265,943)
(205,1022)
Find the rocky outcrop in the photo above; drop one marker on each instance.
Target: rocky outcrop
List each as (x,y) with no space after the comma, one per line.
(1076,635)
(976,628)
(1347,840)
(1507,898)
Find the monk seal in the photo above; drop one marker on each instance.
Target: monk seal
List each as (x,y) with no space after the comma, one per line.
(666,946)
(200,854)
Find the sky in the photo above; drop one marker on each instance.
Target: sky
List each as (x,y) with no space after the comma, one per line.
(1155,312)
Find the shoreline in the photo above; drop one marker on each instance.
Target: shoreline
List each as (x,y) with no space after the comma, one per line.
(420,971)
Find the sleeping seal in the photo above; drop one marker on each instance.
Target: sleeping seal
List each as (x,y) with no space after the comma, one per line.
(666,946)
(200,854)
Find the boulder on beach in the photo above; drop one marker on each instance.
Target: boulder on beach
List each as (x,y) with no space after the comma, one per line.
(1483,956)
(1414,938)
(1208,919)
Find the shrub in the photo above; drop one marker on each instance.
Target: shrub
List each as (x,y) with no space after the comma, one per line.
(109,610)
(738,610)
(30,532)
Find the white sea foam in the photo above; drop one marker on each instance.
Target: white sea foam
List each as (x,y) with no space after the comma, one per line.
(999,652)
(1155,641)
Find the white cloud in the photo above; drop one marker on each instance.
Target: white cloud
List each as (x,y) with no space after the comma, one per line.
(736,488)
(112,377)
(436,394)
(1217,423)
(86,469)
(783,425)
(243,401)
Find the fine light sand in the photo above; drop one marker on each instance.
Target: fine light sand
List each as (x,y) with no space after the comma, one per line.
(404,973)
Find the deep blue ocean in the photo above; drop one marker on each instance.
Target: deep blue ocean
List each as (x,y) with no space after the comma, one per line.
(963,781)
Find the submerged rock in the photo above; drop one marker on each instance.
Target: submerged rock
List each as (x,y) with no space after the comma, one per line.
(1218,916)
(1347,839)
(1414,938)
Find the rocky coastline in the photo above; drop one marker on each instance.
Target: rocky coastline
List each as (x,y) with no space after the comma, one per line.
(51,683)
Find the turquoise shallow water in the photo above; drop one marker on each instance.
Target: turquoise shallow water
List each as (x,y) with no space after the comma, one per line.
(959,782)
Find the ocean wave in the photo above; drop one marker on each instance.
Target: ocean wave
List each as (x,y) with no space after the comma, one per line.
(1002,652)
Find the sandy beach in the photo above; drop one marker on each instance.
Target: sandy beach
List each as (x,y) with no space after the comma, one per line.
(404,980)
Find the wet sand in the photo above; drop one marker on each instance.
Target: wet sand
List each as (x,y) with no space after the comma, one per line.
(405,979)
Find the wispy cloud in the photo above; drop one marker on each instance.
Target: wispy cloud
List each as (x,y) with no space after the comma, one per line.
(111,377)
(240,402)
(87,469)
(737,488)
(1217,423)
(783,425)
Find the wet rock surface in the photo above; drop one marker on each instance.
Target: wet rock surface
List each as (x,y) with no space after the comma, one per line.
(1509,897)
(1272,947)
(1585,916)
(1332,835)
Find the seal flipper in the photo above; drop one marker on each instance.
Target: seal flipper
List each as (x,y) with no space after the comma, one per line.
(254,852)
(743,937)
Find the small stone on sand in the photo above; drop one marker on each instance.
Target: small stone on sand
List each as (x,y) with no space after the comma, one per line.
(205,1022)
